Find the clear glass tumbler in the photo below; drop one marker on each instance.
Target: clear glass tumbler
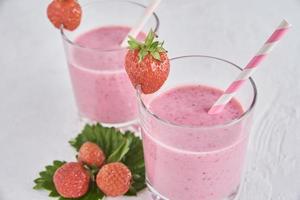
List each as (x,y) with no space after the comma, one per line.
(191,162)
(102,90)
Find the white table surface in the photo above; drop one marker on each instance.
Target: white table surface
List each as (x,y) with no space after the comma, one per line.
(38,114)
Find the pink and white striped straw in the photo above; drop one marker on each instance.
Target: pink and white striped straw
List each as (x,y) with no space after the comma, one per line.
(142,21)
(250,68)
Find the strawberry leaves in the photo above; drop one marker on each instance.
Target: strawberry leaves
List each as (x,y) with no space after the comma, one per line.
(150,46)
(135,164)
(110,140)
(45,179)
(118,147)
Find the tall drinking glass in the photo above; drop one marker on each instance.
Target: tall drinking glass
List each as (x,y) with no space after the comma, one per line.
(190,155)
(102,90)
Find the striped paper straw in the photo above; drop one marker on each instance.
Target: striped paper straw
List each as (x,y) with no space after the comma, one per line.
(142,21)
(250,68)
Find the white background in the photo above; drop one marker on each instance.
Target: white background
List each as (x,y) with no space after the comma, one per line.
(38,114)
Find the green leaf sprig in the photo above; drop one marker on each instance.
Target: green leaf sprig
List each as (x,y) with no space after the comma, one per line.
(117,146)
(149,46)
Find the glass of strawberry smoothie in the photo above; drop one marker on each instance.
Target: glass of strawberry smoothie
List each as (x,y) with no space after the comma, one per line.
(189,154)
(102,90)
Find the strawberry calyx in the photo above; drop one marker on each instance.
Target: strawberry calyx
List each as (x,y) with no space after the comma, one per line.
(149,46)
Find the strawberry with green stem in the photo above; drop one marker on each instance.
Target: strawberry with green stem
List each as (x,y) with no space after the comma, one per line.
(147,63)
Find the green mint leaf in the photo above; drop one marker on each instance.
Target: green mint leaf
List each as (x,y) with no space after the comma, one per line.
(45,181)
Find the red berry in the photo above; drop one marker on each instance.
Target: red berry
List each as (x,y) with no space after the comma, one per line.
(71,180)
(147,64)
(91,154)
(64,12)
(114,179)
(149,73)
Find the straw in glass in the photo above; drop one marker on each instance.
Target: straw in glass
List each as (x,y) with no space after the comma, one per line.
(250,68)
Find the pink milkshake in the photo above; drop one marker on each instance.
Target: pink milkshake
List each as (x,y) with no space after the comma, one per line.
(189,154)
(102,89)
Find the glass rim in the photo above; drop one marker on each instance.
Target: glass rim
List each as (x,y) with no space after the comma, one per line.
(69,41)
(230,123)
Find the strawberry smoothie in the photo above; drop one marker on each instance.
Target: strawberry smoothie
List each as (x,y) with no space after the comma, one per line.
(189,154)
(103,91)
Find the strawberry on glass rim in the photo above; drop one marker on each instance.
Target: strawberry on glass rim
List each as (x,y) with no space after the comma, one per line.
(147,64)
(64,12)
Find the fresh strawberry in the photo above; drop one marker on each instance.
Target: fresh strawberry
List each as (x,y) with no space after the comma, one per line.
(147,64)
(91,154)
(114,179)
(64,12)
(71,180)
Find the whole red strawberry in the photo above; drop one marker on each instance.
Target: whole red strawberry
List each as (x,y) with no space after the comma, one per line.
(147,64)
(64,12)
(114,179)
(71,180)
(91,154)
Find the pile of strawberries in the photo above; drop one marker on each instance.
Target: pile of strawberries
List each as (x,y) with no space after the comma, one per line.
(72,180)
